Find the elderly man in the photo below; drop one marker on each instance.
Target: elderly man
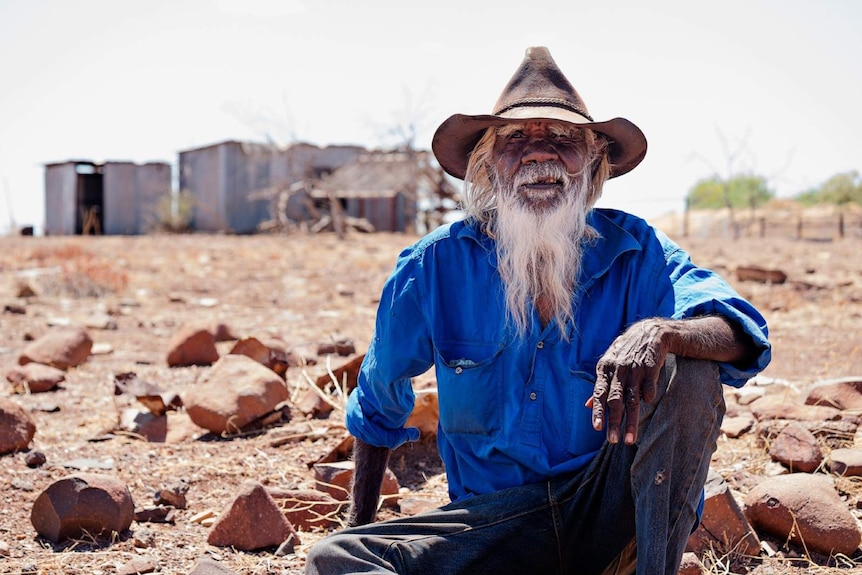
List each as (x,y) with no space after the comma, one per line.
(579,355)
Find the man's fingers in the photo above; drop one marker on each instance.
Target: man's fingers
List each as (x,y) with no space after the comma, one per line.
(615,405)
(597,401)
(632,408)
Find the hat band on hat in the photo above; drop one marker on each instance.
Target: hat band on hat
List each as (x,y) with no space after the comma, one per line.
(544,102)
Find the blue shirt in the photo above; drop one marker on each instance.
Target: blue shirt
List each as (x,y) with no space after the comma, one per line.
(512,408)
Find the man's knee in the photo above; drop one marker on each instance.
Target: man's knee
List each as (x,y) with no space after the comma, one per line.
(693,385)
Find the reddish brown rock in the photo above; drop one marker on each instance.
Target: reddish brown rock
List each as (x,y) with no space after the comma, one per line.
(796,448)
(306,509)
(779,407)
(759,274)
(35,378)
(251,521)
(275,358)
(145,424)
(334,478)
(192,346)
(426,413)
(723,524)
(235,393)
(209,566)
(846,462)
(17,427)
(87,502)
(62,347)
(805,508)
(734,427)
(843,393)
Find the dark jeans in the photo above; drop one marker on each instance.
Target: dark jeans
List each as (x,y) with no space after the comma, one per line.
(633,506)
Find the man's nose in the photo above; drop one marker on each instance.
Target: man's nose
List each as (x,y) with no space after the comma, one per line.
(538,152)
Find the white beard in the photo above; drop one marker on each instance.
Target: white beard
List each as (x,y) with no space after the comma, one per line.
(539,244)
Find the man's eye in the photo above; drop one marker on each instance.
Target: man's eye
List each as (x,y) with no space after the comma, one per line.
(517,135)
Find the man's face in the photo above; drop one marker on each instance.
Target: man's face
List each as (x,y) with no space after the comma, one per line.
(536,160)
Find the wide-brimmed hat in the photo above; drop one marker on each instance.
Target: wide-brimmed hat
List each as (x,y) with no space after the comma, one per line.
(537,91)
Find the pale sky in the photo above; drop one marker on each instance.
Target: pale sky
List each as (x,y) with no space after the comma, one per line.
(775,83)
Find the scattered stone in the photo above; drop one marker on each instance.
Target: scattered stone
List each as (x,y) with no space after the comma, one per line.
(843,393)
(690,565)
(157,400)
(723,524)
(779,407)
(342,347)
(299,356)
(202,516)
(759,274)
(307,508)
(17,427)
(14,309)
(843,428)
(92,503)
(796,448)
(426,413)
(138,565)
(25,290)
(209,566)
(334,478)
(4,549)
(251,521)
(411,505)
(804,508)
(262,353)
(735,427)
(150,427)
(60,347)
(346,375)
(746,395)
(35,459)
(156,514)
(35,378)
(102,348)
(88,463)
(846,462)
(143,538)
(174,494)
(288,546)
(192,346)
(101,321)
(234,394)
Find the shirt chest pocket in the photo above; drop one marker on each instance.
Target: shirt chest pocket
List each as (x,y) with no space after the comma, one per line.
(469,384)
(582,438)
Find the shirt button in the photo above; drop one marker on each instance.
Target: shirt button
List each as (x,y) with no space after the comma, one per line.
(540,345)
(458,370)
(533,396)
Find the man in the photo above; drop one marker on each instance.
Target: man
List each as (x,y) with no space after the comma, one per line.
(579,357)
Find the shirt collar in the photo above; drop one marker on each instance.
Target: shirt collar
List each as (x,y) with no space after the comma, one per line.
(599,256)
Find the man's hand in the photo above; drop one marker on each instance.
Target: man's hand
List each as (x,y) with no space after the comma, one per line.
(627,373)
(369,466)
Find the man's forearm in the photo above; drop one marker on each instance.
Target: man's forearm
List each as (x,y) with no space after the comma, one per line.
(708,337)
(369,466)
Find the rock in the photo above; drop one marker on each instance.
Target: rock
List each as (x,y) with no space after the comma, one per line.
(87,502)
(17,427)
(846,462)
(35,459)
(343,347)
(192,346)
(796,448)
(223,332)
(61,348)
(174,494)
(209,566)
(723,525)
(690,565)
(759,274)
(252,347)
(843,393)
(251,521)
(156,514)
(334,478)
(346,375)
(306,509)
(426,413)
(805,508)
(35,378)
(779,407)
(234,394)
(411,505)
(734,427)
(150,427)
(138,565)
